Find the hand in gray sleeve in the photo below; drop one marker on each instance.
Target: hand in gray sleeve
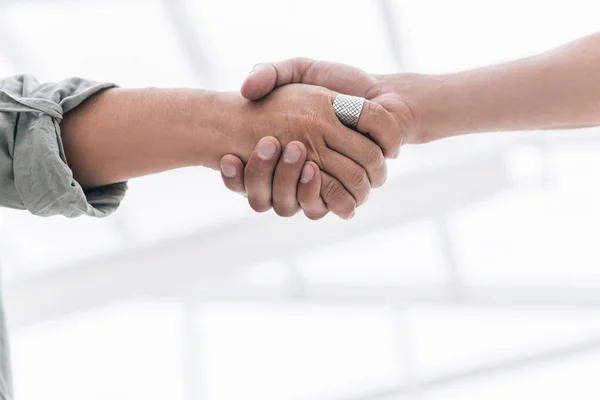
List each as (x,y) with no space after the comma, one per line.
(34,174)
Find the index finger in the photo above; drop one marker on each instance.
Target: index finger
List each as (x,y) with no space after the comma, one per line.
(379,124)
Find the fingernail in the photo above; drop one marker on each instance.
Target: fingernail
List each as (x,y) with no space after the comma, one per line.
(229,171)
(292,154)
(266,150)
(254,69)
(308,173)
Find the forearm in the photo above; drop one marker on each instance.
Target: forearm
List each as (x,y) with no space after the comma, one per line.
(125,133)
(554,90)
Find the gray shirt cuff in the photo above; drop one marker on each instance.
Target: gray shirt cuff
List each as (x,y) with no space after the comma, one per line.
(34,173)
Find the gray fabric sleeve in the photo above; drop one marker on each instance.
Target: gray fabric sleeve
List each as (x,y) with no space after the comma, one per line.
(34,174)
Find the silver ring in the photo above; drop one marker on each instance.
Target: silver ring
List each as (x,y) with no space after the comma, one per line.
(348,109)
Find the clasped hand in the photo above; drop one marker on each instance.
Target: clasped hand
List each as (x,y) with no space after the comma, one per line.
(324,166)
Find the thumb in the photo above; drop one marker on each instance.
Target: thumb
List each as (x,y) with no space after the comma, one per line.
(338,77)
(267,76)
(260,82)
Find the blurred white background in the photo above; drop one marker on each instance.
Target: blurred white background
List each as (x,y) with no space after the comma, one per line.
(474,273)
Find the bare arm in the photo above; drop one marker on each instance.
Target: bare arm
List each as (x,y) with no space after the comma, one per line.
(558,89)
(124,133)
(554,90)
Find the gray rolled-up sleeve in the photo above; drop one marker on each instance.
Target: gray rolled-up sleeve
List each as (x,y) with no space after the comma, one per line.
(34,171)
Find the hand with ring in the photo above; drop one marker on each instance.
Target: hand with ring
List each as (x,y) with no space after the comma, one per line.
(275,182)
(341,164)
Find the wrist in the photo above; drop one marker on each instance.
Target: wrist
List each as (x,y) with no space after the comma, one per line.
(431,101)
(220,124)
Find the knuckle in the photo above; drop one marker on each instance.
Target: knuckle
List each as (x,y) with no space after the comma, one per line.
(375,157)
(363,187)
(285,209)
(302,61)
(302,66)
(308,124)
(381,178)
(397,144)
(347,207)
(393,147)
(314,152)
(258,205)
(376,112)
(360,179)
(377,166)
(337,198)
(333,191)
(379,118)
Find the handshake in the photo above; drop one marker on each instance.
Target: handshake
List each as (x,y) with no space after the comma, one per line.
(284,142)
(283,145)
(306,159)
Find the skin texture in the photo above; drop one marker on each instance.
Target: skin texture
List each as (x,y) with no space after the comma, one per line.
(558,89)
(125,133)
(291,184)
(278,182)
(391,106)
